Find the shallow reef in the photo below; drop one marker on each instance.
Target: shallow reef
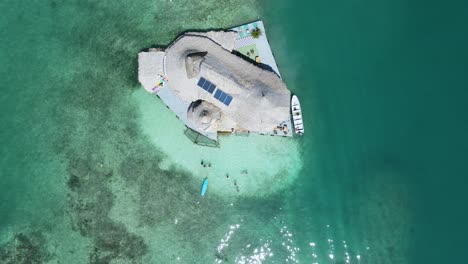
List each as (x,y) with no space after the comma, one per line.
(25,248)
(105,152)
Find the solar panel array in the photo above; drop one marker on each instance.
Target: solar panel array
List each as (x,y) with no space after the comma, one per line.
(223,97)
(219,94)
(206,85)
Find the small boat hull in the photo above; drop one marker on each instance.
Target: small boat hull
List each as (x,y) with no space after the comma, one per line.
(297,115)
(204,187)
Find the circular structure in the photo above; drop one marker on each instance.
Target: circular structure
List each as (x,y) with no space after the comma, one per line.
(203,114)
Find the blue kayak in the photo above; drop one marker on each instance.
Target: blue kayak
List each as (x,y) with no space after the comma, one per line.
(204,187)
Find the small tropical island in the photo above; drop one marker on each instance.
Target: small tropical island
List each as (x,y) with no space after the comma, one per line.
(223,81)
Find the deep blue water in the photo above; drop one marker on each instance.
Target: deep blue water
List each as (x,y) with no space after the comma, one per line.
(385,85)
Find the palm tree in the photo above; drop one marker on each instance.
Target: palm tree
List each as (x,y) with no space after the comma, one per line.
(256,32)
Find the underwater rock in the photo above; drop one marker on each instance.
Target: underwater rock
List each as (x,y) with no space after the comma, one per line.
(25,249)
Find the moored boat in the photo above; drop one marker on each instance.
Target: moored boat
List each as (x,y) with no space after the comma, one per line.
(297,115)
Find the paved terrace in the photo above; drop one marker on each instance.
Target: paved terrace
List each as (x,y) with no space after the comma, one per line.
(231,94)
(244,39)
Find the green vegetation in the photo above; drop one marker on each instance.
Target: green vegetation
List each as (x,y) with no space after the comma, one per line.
(249,51)
(256,32)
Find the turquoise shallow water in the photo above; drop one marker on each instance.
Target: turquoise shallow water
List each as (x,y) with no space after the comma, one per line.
(87,176)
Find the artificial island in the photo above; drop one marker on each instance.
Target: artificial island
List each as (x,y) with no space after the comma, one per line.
(221,82)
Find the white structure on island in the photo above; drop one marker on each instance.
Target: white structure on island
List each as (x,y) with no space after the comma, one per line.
(211,89)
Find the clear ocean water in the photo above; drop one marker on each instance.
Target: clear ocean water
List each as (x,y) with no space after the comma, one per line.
(96,170)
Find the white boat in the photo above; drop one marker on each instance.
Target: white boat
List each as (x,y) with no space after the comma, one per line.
(297,115)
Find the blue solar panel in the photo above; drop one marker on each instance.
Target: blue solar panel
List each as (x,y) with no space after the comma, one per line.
(218,94)
(206,85)
(201,82)
(211,88)
(222,97)
(228,100)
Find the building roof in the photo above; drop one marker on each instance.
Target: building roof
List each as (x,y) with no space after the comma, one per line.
(260,99)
